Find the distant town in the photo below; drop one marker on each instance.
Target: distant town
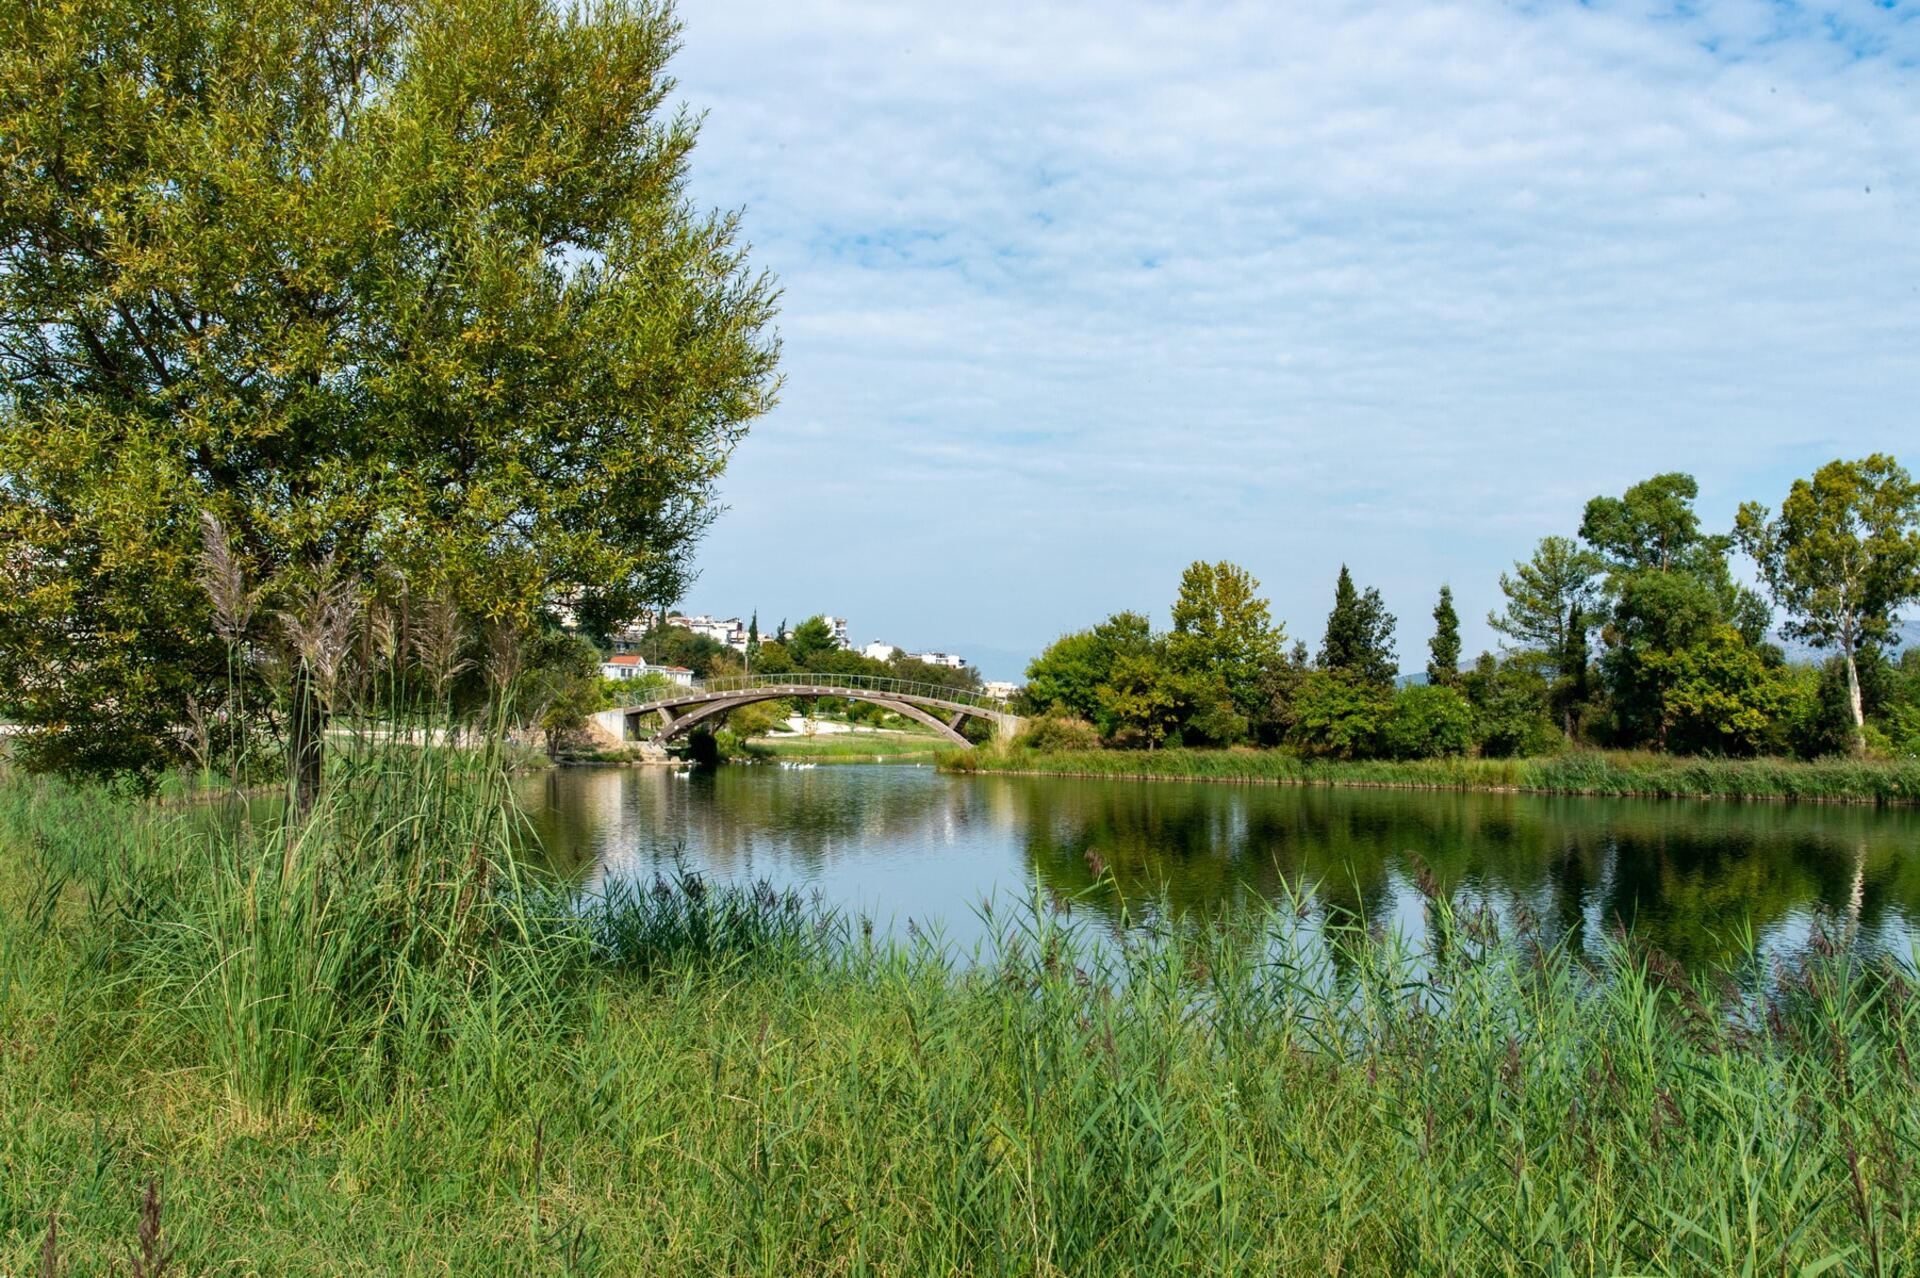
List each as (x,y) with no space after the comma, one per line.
(739,635)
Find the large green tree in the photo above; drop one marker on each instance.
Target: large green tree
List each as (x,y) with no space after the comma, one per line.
(1359,635)
(1841,558)
(1068,676)
(1224,635)
(1668,588)
(412,287)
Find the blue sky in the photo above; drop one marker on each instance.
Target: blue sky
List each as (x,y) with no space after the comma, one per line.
(1077,293)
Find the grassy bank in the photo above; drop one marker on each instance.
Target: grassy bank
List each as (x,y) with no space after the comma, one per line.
(361,1047)
(1588,773)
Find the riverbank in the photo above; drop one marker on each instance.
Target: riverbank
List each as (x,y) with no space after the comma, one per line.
(403,1073)
(1594,773)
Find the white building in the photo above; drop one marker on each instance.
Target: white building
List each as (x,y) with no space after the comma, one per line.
(627,665)
(878,651)
(947,659)
(730,631)
(999,688)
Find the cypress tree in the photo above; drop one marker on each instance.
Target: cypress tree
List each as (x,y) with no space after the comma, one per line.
(1443,665)
(1359,638)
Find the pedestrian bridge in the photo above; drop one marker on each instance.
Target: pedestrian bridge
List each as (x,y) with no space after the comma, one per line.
(941,708)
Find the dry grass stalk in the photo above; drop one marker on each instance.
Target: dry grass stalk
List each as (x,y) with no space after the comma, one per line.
(318,625)
(224,580)
(437,637)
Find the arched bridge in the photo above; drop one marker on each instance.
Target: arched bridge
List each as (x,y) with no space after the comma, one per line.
(939,707)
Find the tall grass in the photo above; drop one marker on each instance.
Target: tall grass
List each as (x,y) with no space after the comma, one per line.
(364,1046)
(1618,773)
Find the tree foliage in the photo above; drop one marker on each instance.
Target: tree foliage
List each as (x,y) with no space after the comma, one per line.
(1068,676)
(1359,634)
(385,288)
(1544,592)
(1841,557)
(1443,650)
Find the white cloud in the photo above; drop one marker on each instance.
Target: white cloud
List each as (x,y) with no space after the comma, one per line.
(1075,293)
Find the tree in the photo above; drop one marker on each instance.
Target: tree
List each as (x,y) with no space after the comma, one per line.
(1359,638)
(1428,723)
(810,640)
(1067,677)
(1544,593)
(1841,558)
(559,686)
(1224,634)
(1510,702)
(1138,699)
(1669,588)
(384,288)
(1443,650)
(1720,696)
(1337,712)
(753,632)
(1653,526)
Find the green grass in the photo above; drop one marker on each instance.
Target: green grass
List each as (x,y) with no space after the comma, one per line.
(1586,772)
(363,1047)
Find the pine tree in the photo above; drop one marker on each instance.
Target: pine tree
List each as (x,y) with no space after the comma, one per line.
(1443,665)
(1359,638)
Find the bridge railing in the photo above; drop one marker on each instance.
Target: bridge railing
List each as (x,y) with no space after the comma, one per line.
(864,683)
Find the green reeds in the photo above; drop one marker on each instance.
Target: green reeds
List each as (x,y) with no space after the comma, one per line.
(351,1050)
(1615,773)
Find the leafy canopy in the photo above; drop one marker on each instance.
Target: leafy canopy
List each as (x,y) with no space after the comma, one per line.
(1843,555)
(382,286)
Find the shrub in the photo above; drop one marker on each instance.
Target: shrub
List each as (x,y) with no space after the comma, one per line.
(1053,733)
(1340,715)
(1428,722)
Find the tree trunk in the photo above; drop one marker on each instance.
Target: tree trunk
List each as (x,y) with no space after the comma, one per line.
(306,739)
(1853,700)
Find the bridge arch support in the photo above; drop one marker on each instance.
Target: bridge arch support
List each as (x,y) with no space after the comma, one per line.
(939,708)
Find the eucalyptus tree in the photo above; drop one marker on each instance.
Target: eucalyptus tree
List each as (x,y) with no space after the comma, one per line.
(1841,558)
(380,286)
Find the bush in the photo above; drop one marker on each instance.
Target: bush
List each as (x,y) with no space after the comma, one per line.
(1055,733)
(1339,715)
(1428,722)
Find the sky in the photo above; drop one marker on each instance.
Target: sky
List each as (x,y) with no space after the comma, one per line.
(1075,294)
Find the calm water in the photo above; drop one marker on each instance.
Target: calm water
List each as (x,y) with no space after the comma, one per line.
(901,844)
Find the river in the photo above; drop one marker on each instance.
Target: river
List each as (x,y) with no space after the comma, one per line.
(907,846)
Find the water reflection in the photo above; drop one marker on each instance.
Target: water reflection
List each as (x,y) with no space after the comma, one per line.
(903,844)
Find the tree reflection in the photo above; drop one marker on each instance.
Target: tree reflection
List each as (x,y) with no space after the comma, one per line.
(1689,878)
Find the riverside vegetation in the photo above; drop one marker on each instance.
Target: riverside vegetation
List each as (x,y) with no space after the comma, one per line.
(363,1042)
(1637,636)
(1587,772)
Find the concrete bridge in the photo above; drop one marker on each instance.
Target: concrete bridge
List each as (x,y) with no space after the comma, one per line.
(941,708)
